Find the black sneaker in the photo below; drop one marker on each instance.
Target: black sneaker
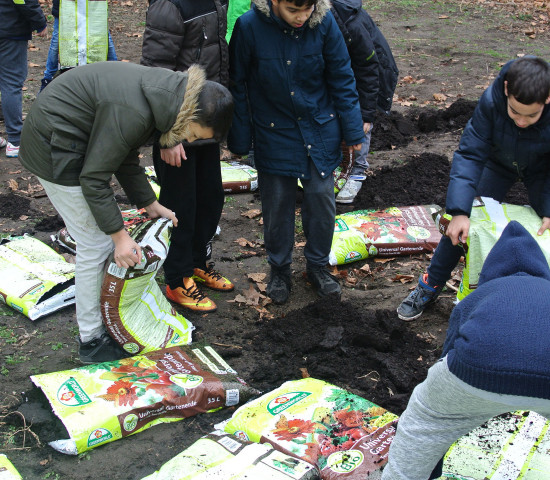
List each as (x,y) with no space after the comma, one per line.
(423,295)
(102,349)
(44,83)
(323,281)
(278,288)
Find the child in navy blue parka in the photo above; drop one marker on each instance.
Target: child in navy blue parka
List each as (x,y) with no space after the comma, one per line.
(494,360)
(507,140)
(295,99)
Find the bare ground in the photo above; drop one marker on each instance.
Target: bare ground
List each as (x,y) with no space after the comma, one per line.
(446,51)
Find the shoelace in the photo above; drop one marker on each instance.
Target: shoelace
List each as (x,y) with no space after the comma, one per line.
(213,273)
(195,293)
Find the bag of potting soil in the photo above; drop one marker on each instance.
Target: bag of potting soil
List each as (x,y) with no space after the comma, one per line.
(135,311)
(222,456)
(343,171)
(487,221)
(513,445)
(107,401)
(384,233)
(131,218)
(34,279)
(7,470)
(238,177)
(153,180)
(343,435)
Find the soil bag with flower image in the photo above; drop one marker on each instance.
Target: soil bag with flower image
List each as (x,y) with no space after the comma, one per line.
(343,435)
(395,231)
(7,470)
(135,311)
(107,401)
(219,455)
(34,279)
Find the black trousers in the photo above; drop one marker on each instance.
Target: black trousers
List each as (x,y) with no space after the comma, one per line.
(194,192)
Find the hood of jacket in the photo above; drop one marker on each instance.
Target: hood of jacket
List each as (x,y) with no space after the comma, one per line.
(350,5)
(515,253)
(175,128)
(321,9)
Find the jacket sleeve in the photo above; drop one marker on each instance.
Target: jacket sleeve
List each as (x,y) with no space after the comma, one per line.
(103,159)
(341,84)
(31,11)
(239,139)
(365,65)
(164,35)
(469,160)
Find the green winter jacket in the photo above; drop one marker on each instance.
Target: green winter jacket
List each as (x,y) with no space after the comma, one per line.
(89,123)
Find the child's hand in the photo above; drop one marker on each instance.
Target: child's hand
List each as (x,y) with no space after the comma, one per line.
(545,225)
(156,210)
(127,251)
(458,229)
(356,148)
(173,156)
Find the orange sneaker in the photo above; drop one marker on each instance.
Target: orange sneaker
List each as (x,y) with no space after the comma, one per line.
(191,296)
(212,279)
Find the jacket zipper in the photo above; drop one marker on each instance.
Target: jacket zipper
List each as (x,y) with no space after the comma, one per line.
(204,37)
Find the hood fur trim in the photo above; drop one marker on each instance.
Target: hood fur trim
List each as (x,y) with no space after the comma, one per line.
(189,108)
(321,9)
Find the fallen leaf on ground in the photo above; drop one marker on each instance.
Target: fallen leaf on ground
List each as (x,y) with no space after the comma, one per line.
(13,184)
(255,212)
(403,278)
(305,373)
(243,242)
(383,260)
(257,277)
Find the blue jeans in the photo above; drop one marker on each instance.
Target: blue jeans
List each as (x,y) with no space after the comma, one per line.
(494,184)
(13,72)
(361,163)
(278,195)
(52,62)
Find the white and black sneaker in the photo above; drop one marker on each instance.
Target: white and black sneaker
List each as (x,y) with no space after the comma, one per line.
(350,191)
(102,349)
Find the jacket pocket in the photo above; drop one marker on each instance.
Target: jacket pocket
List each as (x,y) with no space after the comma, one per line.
(67,157)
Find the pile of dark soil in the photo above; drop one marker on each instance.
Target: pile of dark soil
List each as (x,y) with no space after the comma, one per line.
(371,352)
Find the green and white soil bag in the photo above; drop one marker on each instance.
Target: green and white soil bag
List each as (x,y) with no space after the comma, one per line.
(487,221)
(135,311)
(105,402)
(34,279)
(511,446)
(343,435)
(7,470)
(238,177)
(83,32)
(221,456)
(131,218)
(392,232)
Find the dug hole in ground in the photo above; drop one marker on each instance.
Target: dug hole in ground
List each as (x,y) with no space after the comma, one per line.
(447,53)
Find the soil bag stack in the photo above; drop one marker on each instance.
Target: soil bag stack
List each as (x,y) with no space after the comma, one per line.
(34,279)
(135,311)
(7,470)
(487,221)
(238,177)
(342,434)
(384,233)
(107,401)
(222,456)
(513,445)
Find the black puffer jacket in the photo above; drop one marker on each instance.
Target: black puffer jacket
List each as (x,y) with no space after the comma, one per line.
(179,33)
(371,58)
(19,20)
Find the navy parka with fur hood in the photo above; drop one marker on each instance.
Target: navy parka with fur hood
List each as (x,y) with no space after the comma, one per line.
(294,92)
(492,140)
(371,58)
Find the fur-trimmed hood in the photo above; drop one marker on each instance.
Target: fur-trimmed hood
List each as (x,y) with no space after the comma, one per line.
(196,77)
(321,9)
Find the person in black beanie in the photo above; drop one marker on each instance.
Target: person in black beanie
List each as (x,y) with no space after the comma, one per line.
(494,360)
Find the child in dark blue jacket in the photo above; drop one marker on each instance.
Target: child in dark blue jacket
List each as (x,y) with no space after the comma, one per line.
(507,140)
(494,360)
(295,97)
(375,73)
